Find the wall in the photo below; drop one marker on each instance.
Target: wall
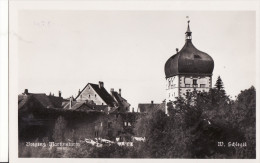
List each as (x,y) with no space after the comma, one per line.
(188,79)
(172,87)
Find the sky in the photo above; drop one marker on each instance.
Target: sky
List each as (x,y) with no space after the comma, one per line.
(66,49)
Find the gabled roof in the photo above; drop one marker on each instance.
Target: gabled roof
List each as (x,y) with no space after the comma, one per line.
(44,100)
(122,103)
(102,92)
(148,107)
(41,98)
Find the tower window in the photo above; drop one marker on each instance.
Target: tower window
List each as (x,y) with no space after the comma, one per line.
(195,84)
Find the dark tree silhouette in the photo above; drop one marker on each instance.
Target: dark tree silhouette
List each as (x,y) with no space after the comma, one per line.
(219,84)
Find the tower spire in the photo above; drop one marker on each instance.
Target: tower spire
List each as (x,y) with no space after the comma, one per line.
(188,32)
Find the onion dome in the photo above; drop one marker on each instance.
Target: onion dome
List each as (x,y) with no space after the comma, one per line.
(189,60)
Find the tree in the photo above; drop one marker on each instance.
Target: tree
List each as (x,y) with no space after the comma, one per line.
(219,84)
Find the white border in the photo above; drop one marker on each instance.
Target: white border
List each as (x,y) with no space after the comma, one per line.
(4,81)
(16,6)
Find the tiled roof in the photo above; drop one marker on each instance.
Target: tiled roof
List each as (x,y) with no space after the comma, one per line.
(44,100)
(122,103)
(148,107)
(56,101)
(102,92)
(83,106)
(22,100)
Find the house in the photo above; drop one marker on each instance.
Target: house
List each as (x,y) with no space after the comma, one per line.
(28,100)
(97,95)
(149,107)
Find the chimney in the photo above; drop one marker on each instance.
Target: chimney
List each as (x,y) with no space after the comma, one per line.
(59,93)
(101,84)
(71,99)
(151,102)
(26,91)
(177,50)
(111,90)
(79,92)
(119,91)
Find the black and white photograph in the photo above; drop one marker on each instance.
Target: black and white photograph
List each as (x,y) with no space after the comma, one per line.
(133,83)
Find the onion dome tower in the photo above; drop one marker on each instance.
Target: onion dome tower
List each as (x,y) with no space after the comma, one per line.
(187,70)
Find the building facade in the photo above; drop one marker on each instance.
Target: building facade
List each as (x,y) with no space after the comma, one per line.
(187,70)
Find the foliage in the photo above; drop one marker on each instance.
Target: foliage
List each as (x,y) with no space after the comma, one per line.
(219,84)
(197,122)
(59,129)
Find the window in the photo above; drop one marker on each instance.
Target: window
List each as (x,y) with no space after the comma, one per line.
(187,85)
(95,95)
(125,123)
(88,96)
(195,84)
(203,85)
(169,85)
(129,124)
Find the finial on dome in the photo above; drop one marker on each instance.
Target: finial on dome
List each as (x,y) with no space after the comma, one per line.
(188,32)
